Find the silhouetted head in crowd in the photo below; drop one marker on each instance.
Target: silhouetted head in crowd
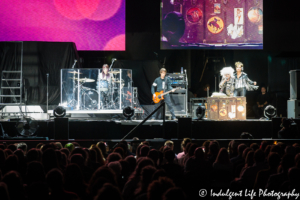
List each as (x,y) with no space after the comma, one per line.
(169,144)
(35,172)
(245,152)
(192,149)
(213,148)
(14,185)
(233,147)
(142,162)
(199,154)
(73,177)
(77,159)
(169,156)
(249,161)
(174,193)
(138,151)
(146,179)
(294,176)
(66,151)
(49,160)
(3,191)
(81,151)
(58,145)
(132,163)
(100,157)
(223,157)
(259,156)
(134,144)
(108,192)
(39,145)
(290,150)
(184,142)
(120,151)
(157,188)
(273,160)
(276,149)
(263,145)
(12,147)
(254,146)
(113,157)
(144,151)
(22,146)
(33,155)
(159,173)
(153,154)
(102,146)
(70,146)
(267,150)
(105,173)
(54,180)
(241,149)
(93,155)
(287,161)
(8,152)
(116,167)
(76,144)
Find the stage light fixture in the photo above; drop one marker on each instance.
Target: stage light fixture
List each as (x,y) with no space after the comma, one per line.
(246,135)
(270,112)
(200,112)
(128,112)
(59,111)
(27,126)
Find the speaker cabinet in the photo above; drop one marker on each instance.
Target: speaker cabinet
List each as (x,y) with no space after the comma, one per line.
(179,104)
(61,128)
(293,109)
(294,84)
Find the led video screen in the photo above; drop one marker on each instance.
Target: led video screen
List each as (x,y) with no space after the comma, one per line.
(90,24)
(212,24)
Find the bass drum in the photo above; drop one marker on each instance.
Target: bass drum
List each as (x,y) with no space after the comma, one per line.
(91,100)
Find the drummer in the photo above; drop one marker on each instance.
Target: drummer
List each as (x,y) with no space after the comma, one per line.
(105,75)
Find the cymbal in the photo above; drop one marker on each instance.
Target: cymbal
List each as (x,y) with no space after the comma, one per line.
(84,79)
(74,72)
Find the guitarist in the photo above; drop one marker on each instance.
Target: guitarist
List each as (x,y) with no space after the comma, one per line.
(163,83)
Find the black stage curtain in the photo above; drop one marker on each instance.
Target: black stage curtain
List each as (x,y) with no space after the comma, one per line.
(143,74)
(40,58)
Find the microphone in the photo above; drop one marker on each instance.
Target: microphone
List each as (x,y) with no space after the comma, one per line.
(75,61)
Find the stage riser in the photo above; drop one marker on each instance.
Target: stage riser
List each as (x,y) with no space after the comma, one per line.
(113,130)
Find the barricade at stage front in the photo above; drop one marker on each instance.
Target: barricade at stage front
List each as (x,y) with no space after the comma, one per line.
(92,129)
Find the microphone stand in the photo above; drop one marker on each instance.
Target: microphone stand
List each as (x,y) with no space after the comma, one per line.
(47,94)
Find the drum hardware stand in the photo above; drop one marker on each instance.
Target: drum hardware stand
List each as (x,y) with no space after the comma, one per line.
(47,95)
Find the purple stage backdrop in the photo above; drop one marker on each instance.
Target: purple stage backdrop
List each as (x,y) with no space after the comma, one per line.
(91,24)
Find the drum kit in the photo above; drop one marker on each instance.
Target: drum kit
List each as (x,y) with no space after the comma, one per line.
(105,96)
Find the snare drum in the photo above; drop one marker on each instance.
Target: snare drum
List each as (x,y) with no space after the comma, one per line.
(102,85)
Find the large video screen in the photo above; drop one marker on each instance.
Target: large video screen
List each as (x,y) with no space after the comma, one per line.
(90,24)
(212,24)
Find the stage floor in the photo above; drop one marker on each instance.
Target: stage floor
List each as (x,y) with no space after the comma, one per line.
(97,128)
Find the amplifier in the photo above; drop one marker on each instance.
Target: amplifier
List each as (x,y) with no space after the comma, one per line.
(179,105)
(177,79)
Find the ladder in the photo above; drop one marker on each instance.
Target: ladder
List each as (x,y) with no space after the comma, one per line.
(12,84)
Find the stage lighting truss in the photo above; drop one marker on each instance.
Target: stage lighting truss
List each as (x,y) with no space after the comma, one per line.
(200,112)
(59,111)
(128,112)
(270,112)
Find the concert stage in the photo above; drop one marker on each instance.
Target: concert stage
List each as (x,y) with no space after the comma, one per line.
(95,129)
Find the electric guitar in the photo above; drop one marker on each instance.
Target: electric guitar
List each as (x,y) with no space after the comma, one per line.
(159,95)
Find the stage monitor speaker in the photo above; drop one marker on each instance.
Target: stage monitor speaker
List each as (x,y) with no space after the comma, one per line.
(61,128)
(293,109)
(179,104)
(184,127)
(295,84)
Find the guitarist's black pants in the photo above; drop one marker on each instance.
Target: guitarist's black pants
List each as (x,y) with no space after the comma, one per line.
(167,100)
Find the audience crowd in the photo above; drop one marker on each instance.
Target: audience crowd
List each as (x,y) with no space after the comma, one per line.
(140,172)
